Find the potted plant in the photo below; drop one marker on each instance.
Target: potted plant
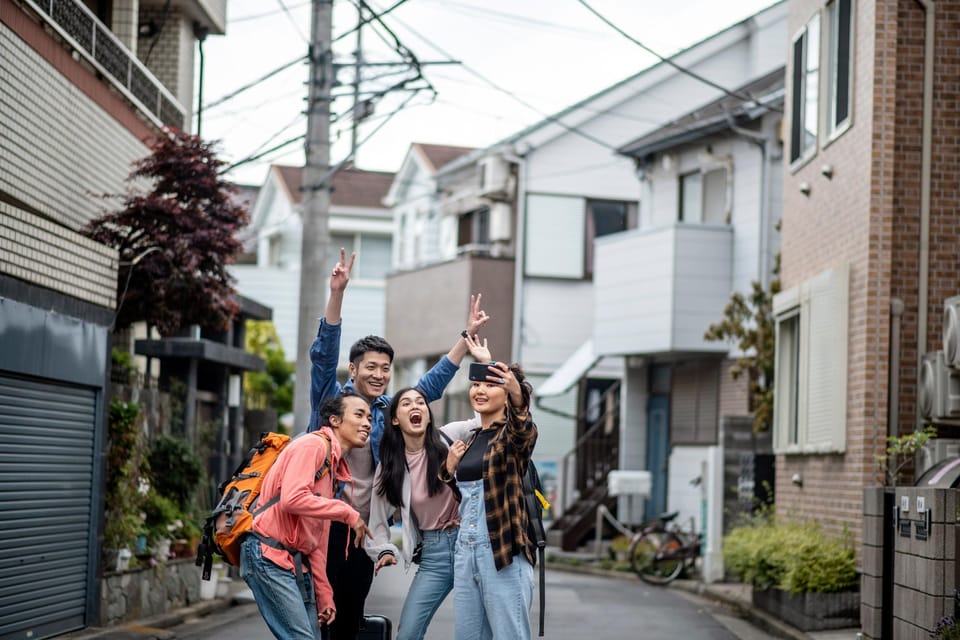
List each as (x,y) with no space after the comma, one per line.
(124,462)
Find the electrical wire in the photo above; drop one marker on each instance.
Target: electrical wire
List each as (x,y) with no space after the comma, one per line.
(367,20)
(668,61)
(156,37)
(296,27)
(552,118)
(235,93)
(254,157)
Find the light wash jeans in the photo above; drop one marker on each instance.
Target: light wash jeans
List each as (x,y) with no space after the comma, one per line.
(490,604)
(278,595)
(431,584)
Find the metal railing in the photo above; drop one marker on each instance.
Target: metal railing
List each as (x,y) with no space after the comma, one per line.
(79,27)
(595,453)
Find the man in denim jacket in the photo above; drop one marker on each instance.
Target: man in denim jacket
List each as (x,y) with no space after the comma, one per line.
(371,359)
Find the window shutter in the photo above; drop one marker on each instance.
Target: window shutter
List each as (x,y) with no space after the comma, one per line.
(826,398)
(694,403)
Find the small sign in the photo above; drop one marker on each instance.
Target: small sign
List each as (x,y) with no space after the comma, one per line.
(921,504)
(905,504)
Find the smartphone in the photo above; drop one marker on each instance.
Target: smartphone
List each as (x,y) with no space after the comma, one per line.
(479,371)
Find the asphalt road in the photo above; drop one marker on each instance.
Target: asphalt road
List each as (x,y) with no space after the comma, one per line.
(579,607)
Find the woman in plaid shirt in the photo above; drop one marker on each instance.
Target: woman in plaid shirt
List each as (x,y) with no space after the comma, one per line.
(494,558)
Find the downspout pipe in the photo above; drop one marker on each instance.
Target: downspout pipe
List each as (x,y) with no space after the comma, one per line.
(893,389)
(925,164)
(761,141)
(519,251)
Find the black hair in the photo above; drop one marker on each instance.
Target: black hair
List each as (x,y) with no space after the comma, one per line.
(370,343)
(526,389)
(334,406)
(393,458)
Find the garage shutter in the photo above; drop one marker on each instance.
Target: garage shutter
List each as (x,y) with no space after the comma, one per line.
(46,490)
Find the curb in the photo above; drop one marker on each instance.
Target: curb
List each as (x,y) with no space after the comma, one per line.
(154,628)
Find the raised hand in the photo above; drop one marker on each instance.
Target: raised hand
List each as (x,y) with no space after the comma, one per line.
(478,317)
(341,272)
(478,350)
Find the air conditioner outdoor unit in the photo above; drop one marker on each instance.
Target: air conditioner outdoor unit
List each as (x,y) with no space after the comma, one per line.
(500,222)
(951,332)
(939,389)
(494,177)
(934,451)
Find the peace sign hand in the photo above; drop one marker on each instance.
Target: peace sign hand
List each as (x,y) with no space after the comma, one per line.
(341,271)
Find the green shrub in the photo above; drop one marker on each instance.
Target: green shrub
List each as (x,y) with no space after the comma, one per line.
(175,470)
(162,515)
(125,453)
(795,557)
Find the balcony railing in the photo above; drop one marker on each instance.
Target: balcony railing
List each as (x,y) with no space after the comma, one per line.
(96,43)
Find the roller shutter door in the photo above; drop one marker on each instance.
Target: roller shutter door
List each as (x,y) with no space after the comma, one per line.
(46,498)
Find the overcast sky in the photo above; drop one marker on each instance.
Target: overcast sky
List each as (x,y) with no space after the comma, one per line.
(546,53)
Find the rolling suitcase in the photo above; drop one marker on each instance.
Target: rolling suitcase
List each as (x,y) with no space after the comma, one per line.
(375,627)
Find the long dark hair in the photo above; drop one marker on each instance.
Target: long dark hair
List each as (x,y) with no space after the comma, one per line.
(393,459)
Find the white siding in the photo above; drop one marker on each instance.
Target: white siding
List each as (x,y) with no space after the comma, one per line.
(557,319)
(58,149)
(278,289)
(658,291)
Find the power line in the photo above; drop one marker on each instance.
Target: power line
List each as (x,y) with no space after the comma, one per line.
(296,27)
(235,93)
(376,16)
(670,62)
(507,92)
(252,158)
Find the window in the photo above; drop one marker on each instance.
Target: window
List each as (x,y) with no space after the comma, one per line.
(840,64)
(603,218)
(810,372)
(473,231)
(373,254)
(703,197)
(560,231)
(805,87)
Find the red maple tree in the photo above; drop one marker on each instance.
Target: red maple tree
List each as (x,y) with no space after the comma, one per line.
(175,240)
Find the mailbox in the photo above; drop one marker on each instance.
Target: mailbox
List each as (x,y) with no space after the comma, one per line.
(621,482)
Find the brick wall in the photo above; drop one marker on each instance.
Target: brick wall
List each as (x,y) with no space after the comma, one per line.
(868,216)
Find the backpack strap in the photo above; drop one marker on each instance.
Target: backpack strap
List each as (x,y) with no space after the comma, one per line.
(532,502)
(299,560)
(452,482)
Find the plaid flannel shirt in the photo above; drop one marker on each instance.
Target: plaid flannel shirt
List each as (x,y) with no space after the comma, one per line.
(504,463)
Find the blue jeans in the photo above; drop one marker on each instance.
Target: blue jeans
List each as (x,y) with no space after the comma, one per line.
(489,604)
(278,595)
(431,584)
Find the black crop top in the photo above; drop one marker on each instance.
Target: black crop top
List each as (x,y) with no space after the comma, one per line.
(471,465)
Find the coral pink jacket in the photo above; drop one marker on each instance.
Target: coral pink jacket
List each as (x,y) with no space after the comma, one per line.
(301,518)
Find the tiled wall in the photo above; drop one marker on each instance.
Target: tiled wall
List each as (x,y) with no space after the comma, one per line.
(59,150)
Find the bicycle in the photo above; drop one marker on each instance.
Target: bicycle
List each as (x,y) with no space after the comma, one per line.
(659,554)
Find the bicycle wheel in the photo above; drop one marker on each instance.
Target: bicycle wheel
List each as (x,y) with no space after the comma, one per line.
(651,560)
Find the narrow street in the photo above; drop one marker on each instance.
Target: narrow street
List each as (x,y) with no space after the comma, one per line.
(579,606)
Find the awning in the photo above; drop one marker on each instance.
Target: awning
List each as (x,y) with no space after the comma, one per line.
(570,372)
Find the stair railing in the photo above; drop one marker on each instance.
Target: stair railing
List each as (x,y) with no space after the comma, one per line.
(597,448)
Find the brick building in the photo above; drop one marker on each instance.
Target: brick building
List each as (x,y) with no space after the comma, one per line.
(871,181)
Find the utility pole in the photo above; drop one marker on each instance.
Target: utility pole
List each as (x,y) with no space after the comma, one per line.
(316,202)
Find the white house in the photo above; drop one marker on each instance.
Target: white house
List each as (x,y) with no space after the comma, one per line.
(358,222)
(552,202)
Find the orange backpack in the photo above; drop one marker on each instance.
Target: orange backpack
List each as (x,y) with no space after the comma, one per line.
(232,519)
